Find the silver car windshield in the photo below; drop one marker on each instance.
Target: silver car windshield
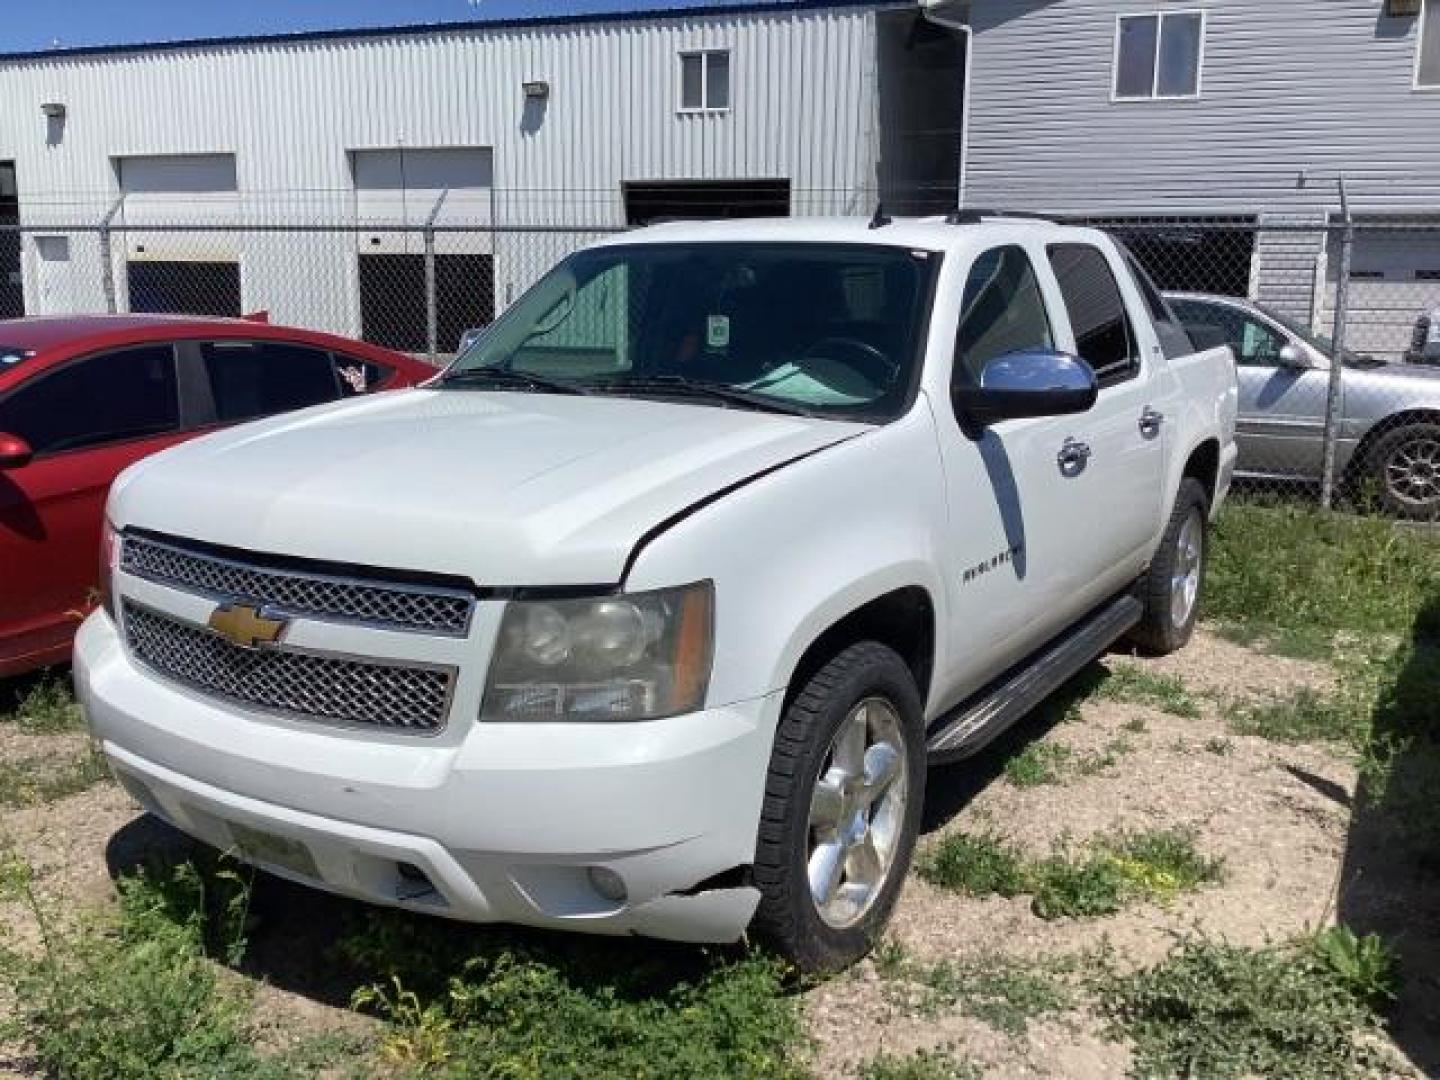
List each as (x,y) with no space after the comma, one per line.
(819,329)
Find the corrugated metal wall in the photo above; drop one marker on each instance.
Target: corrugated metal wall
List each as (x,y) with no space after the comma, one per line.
(803,101)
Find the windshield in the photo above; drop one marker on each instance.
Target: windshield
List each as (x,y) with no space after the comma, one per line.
(820,329)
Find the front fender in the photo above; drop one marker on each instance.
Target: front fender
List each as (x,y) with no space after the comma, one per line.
(799,549)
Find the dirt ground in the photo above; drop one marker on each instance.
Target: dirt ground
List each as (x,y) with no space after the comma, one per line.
(1279,816)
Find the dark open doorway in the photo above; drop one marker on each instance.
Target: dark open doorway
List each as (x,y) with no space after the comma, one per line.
(921,90)
(392,299)
(12,284)
(649,201)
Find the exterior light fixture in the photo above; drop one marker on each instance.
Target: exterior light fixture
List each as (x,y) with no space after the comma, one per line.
(1402,8)
(537,89)
(53,110)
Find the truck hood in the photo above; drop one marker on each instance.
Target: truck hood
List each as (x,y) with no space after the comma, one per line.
(506,489)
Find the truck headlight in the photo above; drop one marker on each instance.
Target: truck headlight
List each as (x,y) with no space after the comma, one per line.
(109,560)
(637,656)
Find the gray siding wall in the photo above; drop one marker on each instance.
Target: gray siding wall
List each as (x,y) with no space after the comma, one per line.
(1288,87)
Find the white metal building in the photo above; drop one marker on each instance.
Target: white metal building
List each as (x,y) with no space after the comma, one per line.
(559,126)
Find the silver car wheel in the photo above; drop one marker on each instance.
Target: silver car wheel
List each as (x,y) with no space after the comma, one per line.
(1412,472)
(857,813)
(1185,571)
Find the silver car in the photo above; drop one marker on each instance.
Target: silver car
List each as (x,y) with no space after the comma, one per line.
(1389,444)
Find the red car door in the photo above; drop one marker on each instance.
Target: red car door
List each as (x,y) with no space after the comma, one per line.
(85,421)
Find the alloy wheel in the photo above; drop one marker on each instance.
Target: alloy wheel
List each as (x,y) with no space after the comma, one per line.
(857,813)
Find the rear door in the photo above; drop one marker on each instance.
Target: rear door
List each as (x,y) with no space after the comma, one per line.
(1118,466)
(86,420)
(250,379)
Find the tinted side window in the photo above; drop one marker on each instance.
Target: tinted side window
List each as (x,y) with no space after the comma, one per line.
(259,378)
(107,398)
(1104,337)
(1254,343)
(1002,311)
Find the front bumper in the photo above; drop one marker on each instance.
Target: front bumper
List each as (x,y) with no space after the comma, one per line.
(506,825)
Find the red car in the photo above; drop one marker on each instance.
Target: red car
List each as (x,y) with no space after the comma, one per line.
(82,398)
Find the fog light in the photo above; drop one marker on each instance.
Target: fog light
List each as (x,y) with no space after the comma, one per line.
(607,883)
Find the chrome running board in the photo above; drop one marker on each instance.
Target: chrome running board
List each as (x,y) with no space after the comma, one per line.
(968,727)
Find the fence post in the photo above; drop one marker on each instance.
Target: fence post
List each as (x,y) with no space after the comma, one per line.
(1337,337)
(432,307)
(107,261)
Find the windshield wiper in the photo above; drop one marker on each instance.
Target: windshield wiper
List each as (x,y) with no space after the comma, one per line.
(680,386)
(510,379)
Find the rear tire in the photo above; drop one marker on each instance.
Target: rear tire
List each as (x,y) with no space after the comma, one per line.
(1171,588)
(843,798)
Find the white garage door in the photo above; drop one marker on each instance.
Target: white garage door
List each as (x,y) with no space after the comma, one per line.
(176,174)
(1394,276)
(395,186)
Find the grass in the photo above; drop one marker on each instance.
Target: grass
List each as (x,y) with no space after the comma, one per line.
(1005,993)
(1218,1010)
(45,707)
(1104,876)
(1136,686)
(1294,574)
(920,1065)
(40,779)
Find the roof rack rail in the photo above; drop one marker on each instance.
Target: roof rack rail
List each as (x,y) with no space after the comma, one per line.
(974,217)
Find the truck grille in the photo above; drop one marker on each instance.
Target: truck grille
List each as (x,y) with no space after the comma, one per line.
(399,697)
(424,608)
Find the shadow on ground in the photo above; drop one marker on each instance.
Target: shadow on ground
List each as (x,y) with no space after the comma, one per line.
(950,788)
(1390,881)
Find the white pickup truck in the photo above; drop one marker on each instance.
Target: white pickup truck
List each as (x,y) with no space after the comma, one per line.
(648,614)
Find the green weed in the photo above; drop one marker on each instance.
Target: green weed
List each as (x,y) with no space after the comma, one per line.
(44,778)
(921,1065)
(47,708)
(1039,763)
(1000,991)
(1137,686)
(978,865)
(133,994)
(1218,1010)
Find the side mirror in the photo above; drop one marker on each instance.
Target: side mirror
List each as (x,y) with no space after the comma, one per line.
(1292,356)
(1032,382)
(15,452)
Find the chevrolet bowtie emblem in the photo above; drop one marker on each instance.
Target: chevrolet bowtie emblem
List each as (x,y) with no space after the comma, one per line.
(244,626)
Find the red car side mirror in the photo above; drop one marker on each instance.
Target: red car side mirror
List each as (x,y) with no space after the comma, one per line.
(15,452)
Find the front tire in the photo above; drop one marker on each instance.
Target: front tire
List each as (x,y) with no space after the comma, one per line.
(843,799)
(1171,588)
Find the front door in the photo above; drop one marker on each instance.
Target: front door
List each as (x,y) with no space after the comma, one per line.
(86,421)
(1014,513)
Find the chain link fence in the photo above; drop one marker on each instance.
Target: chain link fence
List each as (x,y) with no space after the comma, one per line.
(1288,295)
(414,271)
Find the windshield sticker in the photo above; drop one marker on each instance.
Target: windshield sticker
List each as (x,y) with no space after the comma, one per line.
(717,331)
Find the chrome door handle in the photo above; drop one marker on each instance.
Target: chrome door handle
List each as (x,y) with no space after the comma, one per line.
(1073,457)
(1150,422)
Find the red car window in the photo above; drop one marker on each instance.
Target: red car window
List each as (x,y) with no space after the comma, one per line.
(102,399)
(259,378)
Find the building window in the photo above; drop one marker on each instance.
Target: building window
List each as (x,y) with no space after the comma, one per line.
(705,81)
(1427,59)
(1158,56)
